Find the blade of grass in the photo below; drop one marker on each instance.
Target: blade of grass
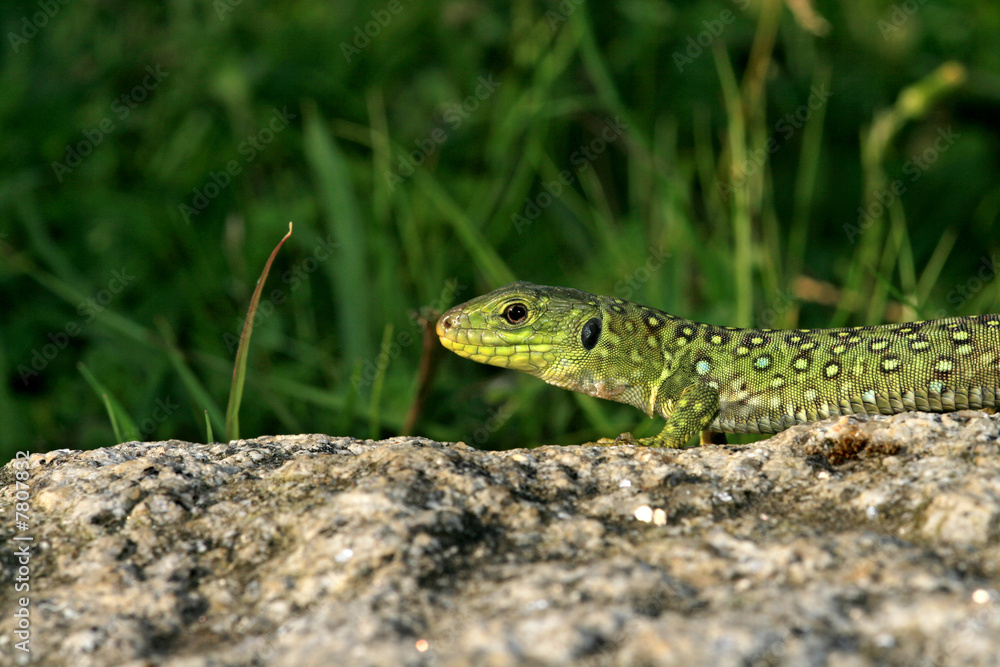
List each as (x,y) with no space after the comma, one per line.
(344,403)
(705,165)
(933,266)
(483,254)
(914,102)
(805,189)
(597,70)
(905,262)
(210,438)
(385,199)
(199,395)
(106,317)
(594,413)
(349,273)
(742,263)
(111,416)
(375,408)
(40,238)
(12,422)
(243,351)
(123,426)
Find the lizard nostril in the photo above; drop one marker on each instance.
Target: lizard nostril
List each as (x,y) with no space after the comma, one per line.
(446,323)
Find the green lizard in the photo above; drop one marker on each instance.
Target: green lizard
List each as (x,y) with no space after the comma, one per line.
(701,377)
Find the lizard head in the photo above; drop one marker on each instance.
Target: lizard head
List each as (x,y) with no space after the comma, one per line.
(531,328)
(566,337)
(554,333)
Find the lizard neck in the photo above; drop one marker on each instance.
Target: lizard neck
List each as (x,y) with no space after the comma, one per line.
(636,357)
(651,356)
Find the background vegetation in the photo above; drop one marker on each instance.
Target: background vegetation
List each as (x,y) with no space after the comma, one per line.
(413,145)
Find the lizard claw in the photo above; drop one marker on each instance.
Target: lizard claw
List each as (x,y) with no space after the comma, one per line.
(623,439)
(626,439)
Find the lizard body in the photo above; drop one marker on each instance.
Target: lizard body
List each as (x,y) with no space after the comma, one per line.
(701,377)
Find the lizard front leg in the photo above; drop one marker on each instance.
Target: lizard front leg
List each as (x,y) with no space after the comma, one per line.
(693,411)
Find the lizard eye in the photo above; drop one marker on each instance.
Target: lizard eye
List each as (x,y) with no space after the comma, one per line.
(515,313)
(591,332)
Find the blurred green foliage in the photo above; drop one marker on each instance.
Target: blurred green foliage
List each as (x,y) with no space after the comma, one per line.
(153,153)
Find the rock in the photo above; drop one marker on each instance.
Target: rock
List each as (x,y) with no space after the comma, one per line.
(855,541)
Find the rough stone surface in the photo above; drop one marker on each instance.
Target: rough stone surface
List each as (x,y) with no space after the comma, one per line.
(849,542)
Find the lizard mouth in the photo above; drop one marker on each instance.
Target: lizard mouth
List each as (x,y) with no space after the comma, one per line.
(454,332)
(445,324)
(449,326)
(459,334)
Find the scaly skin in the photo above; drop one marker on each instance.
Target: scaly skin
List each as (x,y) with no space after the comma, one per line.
(701,377)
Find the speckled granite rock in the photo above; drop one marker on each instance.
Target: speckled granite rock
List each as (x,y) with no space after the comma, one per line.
(845,543)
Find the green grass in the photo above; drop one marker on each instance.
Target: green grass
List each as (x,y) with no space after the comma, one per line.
(686,209)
